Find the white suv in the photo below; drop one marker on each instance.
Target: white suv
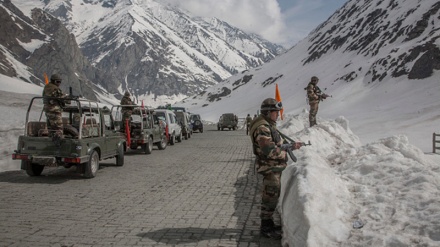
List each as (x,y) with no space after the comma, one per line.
(174,130)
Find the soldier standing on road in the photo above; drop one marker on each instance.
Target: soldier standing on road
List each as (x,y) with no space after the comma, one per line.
(314,95)
(248,122)
(126,109)
(271,161)
(53,107)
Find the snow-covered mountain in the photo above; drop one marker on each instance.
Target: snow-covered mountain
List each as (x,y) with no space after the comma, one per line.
(155,49)
(373,57)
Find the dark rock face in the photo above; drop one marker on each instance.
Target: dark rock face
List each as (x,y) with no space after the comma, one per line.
(216,97)
(369,28)
(58,52)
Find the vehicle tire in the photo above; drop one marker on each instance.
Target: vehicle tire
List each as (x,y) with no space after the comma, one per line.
(32,169)
(120,156)
(92,165)
(148,147)
(179,138)
(163,143)
(70,130)
(172,139)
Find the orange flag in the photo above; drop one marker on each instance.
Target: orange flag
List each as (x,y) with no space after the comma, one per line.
(278,98)
(46,79)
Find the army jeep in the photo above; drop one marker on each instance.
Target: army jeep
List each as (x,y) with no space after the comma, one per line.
(227,121)
(88,137)
(144,129)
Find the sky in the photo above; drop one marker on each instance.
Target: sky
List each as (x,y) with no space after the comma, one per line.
(368,179)
(283,22)
(389,187)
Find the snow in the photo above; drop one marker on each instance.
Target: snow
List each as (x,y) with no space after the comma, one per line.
(389,185)
(370,162)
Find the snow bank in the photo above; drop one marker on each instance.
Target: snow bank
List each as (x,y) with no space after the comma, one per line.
(388,186)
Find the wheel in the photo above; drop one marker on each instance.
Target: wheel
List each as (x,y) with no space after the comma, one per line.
(163,143)
(120,156)
(148,147)
(172,139)
(179,138)
(32,169)
(92,165)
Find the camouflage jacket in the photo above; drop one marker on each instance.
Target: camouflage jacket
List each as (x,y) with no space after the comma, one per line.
(313,93)
(52,105)
(248,120)
(126,100)
(265,142)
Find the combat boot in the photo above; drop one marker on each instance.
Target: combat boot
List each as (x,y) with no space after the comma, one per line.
(269,230)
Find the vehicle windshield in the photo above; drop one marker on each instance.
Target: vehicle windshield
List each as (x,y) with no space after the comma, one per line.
(195,117)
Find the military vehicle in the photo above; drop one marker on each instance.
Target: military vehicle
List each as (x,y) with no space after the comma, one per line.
(144,129)
(173,130)
(227,121)
(89,135)
(196,122)
(183,119)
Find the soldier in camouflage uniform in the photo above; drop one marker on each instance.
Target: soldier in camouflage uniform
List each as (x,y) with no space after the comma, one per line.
(53,107)
(314,95)
(271,161)
(126,109)
(248,123)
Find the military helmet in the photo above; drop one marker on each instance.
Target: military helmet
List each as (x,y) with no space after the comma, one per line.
(270,104)
(55,77)
(314,79)
(127,93)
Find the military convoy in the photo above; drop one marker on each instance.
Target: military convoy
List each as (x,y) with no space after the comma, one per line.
(91,133)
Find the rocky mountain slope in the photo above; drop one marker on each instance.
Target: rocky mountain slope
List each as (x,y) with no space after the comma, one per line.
(371,42)
(156,50)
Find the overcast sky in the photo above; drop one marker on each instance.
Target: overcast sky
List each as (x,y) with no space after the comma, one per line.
(280,21)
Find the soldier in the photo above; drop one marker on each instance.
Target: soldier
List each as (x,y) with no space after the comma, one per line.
(53,107)
(314,95)
(248,122)
(255,116)
(271,161)
(126,109)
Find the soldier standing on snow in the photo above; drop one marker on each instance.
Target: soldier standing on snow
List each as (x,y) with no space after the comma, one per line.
(53,107)
(271,161)
(314,95)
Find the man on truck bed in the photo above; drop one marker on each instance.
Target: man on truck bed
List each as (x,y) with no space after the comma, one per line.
(53,107)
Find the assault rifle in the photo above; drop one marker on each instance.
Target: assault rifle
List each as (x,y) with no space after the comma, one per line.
(287,146)
(324,96)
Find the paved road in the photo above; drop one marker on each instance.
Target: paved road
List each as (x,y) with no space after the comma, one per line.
(201,192)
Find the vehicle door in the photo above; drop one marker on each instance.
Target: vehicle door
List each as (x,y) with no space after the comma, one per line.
(111,136)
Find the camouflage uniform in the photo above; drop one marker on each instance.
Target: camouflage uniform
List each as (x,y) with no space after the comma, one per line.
(271,161)
(53,107)
(314,96)
(126,110)
(248,122)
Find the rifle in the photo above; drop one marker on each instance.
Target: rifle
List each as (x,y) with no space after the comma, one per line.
(287,146)
(324,96)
